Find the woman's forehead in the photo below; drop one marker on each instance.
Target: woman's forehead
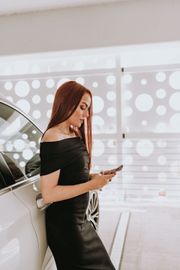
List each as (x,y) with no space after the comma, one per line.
(86,98)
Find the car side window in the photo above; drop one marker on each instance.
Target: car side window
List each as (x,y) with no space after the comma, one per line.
(19,146)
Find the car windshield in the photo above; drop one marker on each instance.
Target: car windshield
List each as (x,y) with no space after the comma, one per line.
(19,143)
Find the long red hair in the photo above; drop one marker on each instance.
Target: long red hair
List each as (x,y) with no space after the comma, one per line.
(66,100)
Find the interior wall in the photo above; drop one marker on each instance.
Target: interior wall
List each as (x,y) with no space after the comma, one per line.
(125,23)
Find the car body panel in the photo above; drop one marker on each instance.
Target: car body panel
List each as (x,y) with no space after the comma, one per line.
(27,195)
(22,228)
(18,242)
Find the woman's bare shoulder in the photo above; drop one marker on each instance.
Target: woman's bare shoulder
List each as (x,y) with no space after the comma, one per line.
(51,135)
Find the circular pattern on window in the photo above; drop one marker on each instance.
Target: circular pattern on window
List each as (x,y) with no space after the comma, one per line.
(111,95)
(111,112)
(23,105)
(161,110)
(36,84)
(161,143)
(111,79)
(16,156)
(161,76)
(50,98)
(127,79)
(27,154)
(50,83)
(175,122)
(161,93)
(36,99)
(174,80)
(98,104)
(8,86)
(9,147)
(22,89)
(143,81)
(144,148)
(19,144)
(174,101)
(22,164)
(24,136)
(95,84)
(144,103)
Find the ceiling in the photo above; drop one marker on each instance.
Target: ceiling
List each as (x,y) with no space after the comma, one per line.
(8,7)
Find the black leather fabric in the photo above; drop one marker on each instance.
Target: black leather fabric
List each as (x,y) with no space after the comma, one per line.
(72,239)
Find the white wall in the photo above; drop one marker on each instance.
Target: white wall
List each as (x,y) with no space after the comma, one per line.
(131,22)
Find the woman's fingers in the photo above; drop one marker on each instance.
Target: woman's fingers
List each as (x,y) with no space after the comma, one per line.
(101,180)
(109,176)
(108,172)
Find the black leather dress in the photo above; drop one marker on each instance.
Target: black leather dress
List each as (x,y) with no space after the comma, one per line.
(71,238)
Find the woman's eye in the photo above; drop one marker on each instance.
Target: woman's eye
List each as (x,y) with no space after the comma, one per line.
(82,108)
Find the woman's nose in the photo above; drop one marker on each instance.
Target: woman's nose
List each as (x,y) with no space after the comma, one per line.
(86,114)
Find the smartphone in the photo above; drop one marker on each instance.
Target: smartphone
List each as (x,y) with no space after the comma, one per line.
(119,168)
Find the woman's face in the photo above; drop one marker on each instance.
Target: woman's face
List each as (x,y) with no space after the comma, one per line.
(81,112)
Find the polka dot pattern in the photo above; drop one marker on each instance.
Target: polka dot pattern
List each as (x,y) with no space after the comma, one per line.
(150,102)
(22,88)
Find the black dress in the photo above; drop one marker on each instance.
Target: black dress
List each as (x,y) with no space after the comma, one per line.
(71,238)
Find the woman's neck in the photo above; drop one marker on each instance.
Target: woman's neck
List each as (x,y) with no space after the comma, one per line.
(65,129)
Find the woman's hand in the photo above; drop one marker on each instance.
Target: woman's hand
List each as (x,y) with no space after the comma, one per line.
(100,180)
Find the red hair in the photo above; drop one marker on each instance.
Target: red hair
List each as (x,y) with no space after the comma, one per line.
(66,100)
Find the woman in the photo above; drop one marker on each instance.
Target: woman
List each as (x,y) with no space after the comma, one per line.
(65,152)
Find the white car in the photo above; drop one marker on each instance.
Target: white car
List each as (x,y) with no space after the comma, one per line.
(22,228)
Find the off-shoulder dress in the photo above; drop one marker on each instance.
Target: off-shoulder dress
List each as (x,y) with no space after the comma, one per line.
(71,238)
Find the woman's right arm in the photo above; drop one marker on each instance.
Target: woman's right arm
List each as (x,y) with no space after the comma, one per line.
(52,192)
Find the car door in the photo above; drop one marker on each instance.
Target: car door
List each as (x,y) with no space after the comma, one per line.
(18,243)
(22,231)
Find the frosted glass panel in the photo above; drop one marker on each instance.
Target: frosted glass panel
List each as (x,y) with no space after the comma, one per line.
(151,168)
(151,101)
(151,124)
(35,95)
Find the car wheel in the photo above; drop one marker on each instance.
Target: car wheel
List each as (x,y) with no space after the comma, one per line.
(92,212)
